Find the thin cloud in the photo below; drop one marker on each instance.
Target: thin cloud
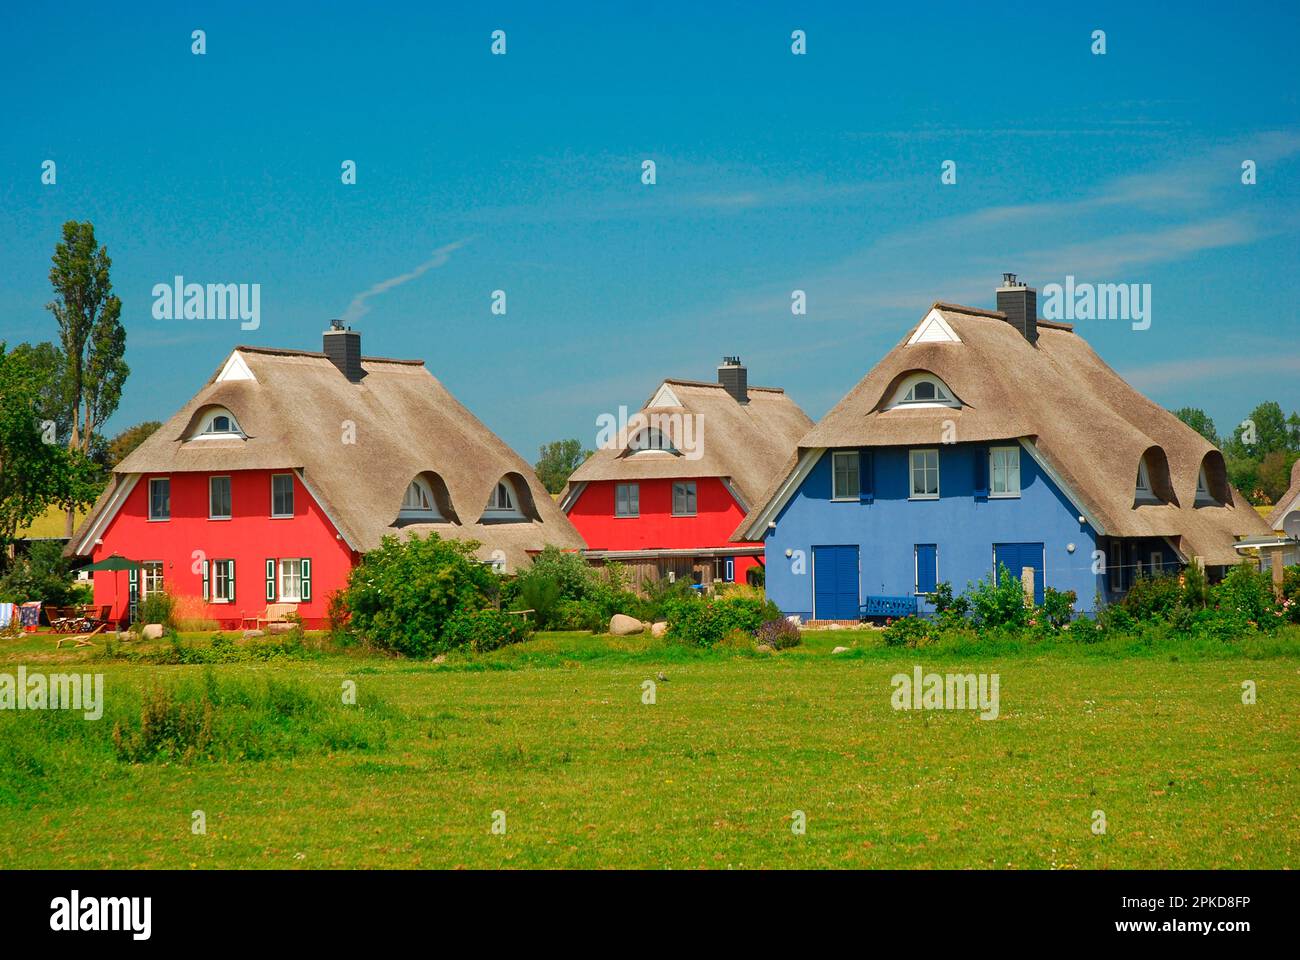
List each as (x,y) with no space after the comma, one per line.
(358,307)
(1158,376)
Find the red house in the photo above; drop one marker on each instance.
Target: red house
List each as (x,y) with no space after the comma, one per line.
(669,485)
(269,485)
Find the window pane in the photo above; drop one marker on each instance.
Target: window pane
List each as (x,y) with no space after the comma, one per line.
(159,499)
(282,495)
(291,580)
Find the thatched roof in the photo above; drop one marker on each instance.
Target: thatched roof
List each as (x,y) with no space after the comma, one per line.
(298,412)
(1288,501)
(1086,423)
(747,444)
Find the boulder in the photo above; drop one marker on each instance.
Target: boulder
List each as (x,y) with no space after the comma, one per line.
(840,650)
(659,629)
(152,631)
(279,627)
(765,648)
(254,634)
(440,658)
(621,625)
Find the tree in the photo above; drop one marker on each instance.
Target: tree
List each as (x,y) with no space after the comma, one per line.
(91,332)
(1199,421)
(34,472)
(1265,430)
(557,461)
(1274,474)
(121,446)
(49,369)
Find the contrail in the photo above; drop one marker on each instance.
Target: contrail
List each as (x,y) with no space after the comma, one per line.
(358,309)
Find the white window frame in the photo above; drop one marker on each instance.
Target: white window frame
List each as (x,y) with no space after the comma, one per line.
(152,517)
(220,567)
(230,496)
(1144,491)
(633,500)
(649,441)
(912,455)
(286,595)
(838,495)
(292,496)
(503,487)
(207,429)
(426,507)
(148,576)
(689,496)
(1008,468)
(905,394)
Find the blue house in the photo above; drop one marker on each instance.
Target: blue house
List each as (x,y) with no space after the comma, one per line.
(989,439)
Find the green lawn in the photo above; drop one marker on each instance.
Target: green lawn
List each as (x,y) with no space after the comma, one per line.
(555,734)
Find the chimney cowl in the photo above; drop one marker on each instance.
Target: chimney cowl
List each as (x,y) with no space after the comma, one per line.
(734,378)
(342,346)
(1019,302)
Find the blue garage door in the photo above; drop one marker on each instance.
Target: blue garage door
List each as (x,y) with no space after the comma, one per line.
(835,579)
(1017,556)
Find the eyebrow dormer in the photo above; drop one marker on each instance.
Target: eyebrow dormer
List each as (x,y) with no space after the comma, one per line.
(426,500)
(1212,488)
(1153,484)
(922,389)
(216,423)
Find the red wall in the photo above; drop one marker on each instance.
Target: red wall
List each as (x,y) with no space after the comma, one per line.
(250,538)
(717,516)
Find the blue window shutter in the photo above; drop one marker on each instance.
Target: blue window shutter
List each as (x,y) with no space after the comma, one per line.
(866,476)
(981,473)
(927,567)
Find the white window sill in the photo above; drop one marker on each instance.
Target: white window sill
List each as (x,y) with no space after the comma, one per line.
(853,499)
(1004,496)
(219,518)
(924,496)
(159,519)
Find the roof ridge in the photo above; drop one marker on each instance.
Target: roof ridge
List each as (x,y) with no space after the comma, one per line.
(315,354)
(682,382)
(972,311)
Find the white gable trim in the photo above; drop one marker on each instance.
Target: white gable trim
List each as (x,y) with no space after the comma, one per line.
(1295,505)
(758,528)
(106,515)
(664,397)
(572,494)
(1064,487)
(236,368)
(329,515)
(934,329)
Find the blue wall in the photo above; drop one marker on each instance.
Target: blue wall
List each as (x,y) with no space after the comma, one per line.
(965,528)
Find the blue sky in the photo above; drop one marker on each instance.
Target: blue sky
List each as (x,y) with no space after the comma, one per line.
(775,172)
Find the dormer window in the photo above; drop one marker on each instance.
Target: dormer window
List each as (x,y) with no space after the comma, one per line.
(1202,485)
(1144,492)
(923,390)
(419,502)
(502,498)
(1212,482)
(220,425)
(650,441)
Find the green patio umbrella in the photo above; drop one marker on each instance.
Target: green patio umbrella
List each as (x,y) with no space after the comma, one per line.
(115,563)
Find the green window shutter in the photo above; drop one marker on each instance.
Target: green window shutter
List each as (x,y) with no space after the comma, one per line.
(133,592)
(305,592)
(207,591)
(230,573)
(270,581)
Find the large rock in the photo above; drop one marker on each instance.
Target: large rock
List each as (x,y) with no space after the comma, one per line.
(659,629)
(621,625)
(254,634)
(840,650)
(152,631)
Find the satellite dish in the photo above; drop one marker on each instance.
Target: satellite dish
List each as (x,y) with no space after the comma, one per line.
(1291,524)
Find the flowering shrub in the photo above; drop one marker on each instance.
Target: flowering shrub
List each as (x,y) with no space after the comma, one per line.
(779,634)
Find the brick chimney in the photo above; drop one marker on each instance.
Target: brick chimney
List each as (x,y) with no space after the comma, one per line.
(1020,303)
(343,348)
(734,379)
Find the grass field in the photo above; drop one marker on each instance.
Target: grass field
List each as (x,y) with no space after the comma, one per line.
(554,734)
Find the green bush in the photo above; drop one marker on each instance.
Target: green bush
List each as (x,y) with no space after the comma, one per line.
(1290,605)
(540,592)
(1000,601)
(1247,594)
(703,622)
(43,575)
(1154,597)
(579,615)
(403,594)
(1058,607)
(484,630)
(158,607)
(908,632)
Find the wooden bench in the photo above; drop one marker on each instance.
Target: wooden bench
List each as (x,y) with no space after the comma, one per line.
(888,607)
(274,613)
